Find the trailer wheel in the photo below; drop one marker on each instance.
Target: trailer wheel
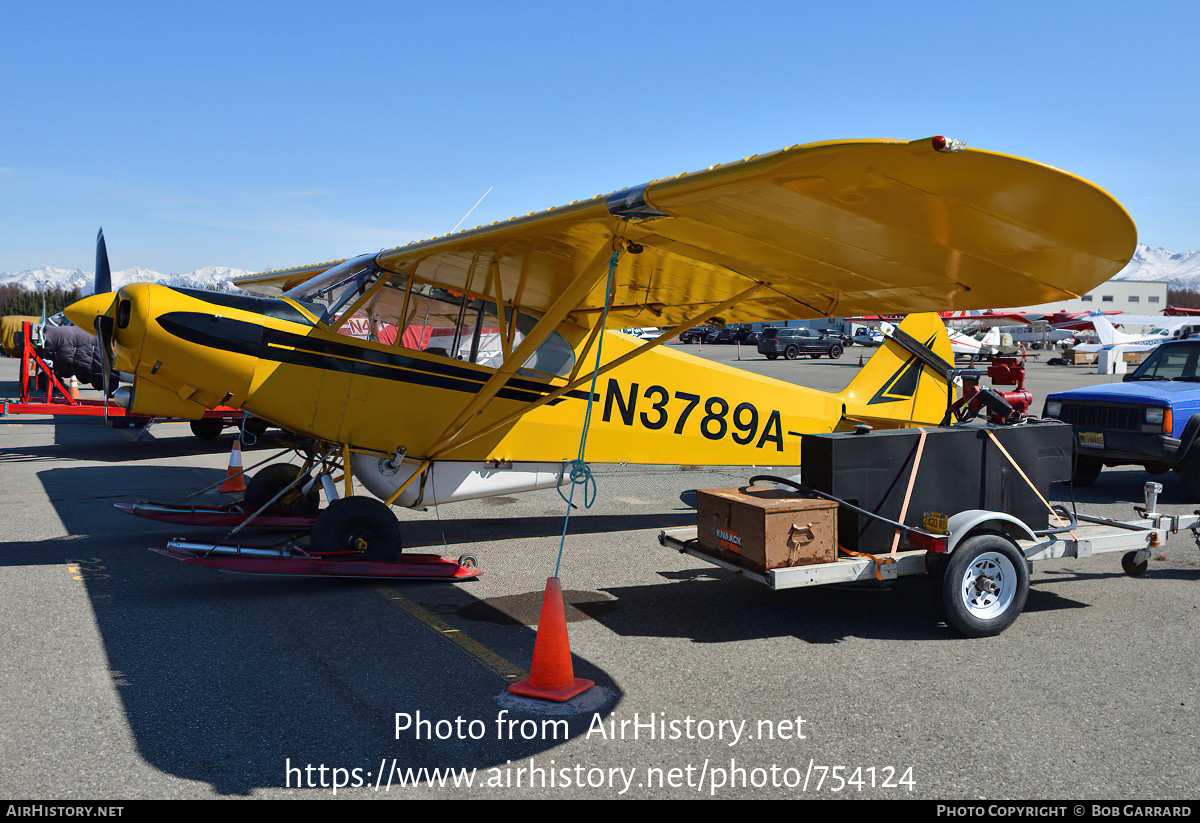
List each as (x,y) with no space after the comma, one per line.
(1131,568)
(985,585)
(357,528)
(271,480)
(207,428)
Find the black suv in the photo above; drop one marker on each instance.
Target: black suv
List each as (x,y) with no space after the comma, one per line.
(791,343)
(696,334)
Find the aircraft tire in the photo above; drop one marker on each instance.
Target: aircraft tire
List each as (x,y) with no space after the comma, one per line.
(362,526)
(268,482)
(985,585)
(207,428)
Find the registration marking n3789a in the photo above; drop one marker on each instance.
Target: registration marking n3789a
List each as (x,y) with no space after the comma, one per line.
(717,418)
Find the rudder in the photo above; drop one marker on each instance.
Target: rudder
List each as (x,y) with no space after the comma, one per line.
(896,388)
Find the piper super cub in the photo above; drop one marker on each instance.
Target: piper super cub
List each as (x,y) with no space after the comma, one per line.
(463,366)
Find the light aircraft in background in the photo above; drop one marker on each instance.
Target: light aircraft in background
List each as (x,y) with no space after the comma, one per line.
(973,346)
(1162,329)
(485,349)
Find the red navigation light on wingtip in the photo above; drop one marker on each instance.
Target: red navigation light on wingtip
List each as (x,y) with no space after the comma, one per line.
(941,143)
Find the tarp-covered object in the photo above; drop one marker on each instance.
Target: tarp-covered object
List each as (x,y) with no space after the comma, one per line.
(10,333)
(74,352)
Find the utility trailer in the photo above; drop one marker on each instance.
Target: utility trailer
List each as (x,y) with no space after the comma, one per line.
(980,568)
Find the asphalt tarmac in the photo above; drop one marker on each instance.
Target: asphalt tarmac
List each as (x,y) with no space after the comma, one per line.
(126,675)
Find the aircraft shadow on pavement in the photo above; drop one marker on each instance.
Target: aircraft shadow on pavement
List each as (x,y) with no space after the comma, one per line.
(227,679)
(88,439)
(430,533)
(715,606)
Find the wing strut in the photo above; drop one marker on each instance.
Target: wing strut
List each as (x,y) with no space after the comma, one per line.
(459,439)
(558,311)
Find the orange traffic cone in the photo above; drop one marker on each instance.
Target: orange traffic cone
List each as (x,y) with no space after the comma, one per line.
(860,360)
(73,387)
(551,676)
(235,480)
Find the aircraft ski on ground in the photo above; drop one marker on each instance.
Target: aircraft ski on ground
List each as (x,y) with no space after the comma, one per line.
(484,347)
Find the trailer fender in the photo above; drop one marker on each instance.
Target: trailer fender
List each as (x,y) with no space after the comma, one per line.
(962,525)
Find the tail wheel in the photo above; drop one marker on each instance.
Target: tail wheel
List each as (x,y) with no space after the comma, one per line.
(273,479)
(985,585)
(357,528)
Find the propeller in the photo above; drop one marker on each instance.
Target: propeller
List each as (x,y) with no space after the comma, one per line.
(103,281)
(105,324)
(97,312)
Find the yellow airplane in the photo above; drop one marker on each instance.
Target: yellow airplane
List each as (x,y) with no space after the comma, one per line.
(462,366)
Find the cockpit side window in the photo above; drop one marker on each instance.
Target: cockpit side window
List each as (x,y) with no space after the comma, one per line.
(445,323)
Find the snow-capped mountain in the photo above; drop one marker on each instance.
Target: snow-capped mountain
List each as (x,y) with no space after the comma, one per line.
(48,277)
(1180,269)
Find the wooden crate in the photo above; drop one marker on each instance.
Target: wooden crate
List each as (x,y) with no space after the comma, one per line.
(765,528)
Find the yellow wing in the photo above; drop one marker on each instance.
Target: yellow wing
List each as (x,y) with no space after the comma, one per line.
(834,229)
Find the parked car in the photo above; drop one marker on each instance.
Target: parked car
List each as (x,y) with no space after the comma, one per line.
(694,335)
(721,336)
(867,338)
(1151,419)
(791,343)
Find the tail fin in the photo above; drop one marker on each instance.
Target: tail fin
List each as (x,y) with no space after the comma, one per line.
(1105,330)
(896,387)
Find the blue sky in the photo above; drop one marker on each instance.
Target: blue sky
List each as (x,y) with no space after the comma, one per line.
(263,135)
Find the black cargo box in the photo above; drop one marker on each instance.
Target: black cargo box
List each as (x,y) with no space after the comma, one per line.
(961,468)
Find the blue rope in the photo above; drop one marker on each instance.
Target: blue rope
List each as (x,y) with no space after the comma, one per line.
(581,473)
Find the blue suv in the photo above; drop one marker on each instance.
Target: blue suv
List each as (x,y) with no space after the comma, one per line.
(1151,419)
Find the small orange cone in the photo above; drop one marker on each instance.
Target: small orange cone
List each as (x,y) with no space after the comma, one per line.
(73,387)
(235,480)
(860,360)
(551,677)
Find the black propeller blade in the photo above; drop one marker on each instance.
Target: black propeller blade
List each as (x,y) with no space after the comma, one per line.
(105,328)
(103,272)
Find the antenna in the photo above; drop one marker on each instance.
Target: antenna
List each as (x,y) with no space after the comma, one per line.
(468,214)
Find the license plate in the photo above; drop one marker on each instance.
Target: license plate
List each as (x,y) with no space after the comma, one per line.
(935,522)
(1091,439)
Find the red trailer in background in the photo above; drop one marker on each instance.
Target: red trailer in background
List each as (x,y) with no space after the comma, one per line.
(44,393)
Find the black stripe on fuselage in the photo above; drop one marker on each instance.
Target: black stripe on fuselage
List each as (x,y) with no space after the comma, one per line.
(241,337)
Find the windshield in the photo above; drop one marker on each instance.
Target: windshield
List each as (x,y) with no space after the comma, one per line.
(334,288)
(1170,362)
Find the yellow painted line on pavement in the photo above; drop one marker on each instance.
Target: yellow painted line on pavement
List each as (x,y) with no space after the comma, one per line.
(506,671)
